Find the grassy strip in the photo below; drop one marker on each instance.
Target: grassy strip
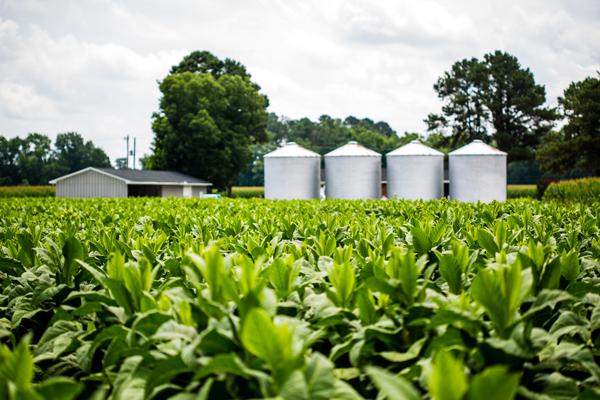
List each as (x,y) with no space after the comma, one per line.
(27,191)
(585,190)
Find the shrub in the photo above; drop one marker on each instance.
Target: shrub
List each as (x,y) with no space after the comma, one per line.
(586,190)
(542,185)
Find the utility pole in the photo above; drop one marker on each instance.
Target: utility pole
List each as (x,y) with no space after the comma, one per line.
(133,153)
(127,158)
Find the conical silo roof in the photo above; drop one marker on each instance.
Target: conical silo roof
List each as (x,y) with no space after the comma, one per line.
(352,149)
(414,148)
(292,149)
(477,148)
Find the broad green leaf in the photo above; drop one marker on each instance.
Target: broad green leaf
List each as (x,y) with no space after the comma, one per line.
(366,306)
(392,387)
(295,387)
(72,251)
(280,353)
(319,377)
(115,266)
(27,246)
(488,242)
(551,277)
(494,383)
(11,266)
(569,266)
(411,353)
(97,273)
(448,379)
(120,294)
(421,241)
(343,391)
(451,272)
(595,319)
(59,388)
(16,367)
(343,280)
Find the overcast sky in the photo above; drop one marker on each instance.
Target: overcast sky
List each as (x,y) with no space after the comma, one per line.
(92,66)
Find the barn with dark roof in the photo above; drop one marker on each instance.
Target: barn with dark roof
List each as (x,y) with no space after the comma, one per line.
(108,182)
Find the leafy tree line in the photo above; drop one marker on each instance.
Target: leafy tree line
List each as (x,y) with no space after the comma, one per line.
(321,136)
(34,161)
(213,123)
(498,101)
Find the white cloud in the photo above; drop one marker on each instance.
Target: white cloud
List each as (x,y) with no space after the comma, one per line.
(92,66)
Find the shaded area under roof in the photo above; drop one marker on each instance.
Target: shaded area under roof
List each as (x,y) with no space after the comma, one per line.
(152,176)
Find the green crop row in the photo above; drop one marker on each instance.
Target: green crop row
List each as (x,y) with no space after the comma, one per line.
(521,191)
(245,193)
(215,299)
(585,190)
(27,191)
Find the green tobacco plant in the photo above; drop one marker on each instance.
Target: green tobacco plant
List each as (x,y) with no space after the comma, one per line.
(173,298)
(500,290)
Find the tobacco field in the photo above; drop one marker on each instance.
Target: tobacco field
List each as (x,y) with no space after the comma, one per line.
(189,299)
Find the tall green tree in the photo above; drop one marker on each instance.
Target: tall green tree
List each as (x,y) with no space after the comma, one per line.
(73,154)
(207,120)
(494,99)
(464,114)
(9,155)
(36,161)
(577,145)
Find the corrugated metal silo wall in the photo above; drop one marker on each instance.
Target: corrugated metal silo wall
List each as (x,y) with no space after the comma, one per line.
(478,178)
(292,178)
(415,177)
(352,178)
(91,184)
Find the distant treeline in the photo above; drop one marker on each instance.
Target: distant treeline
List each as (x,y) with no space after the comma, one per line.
(322,137)
(330,133)
(34,161)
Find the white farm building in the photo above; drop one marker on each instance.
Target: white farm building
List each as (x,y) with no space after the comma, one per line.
(108,182)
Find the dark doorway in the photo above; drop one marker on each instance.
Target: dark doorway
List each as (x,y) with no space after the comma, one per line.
(144,191)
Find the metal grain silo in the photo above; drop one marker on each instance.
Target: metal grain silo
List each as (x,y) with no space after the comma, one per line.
(477,173)
(292,172)
(415,171)
(353,172)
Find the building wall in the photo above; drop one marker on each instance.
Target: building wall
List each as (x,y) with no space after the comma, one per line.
(198,191)
(91,184)
(172,191)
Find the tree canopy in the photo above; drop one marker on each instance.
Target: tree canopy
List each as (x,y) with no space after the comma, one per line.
(33,161)
(494,99)
(209,116)
(577,145)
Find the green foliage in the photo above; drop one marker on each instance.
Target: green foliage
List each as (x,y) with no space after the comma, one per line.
(32,161)
(208,118)
(521,191)
(585,191)
(187,298)
(27,191)
(577,145)
(245,193)
(494,91)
